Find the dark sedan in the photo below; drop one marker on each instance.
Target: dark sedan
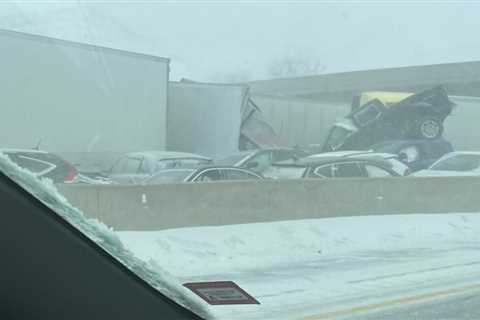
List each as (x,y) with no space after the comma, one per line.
(204,174)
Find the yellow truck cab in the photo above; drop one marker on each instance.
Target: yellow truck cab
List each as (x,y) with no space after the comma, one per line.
(388,98)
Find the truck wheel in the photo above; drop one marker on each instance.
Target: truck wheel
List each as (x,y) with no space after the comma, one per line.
(429,128)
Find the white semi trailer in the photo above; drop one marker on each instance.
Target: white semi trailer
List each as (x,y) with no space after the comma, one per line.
(80,100)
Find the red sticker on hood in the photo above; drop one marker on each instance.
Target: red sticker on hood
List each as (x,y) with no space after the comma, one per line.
(221,292)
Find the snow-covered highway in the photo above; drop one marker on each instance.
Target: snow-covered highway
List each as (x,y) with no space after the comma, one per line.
(325,268)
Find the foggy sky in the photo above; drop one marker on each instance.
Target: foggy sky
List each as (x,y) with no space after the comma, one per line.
(236,41)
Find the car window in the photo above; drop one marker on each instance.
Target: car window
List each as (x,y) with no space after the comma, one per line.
(368,113)
(132,165)
(180,163)
(282,155)
(338,135)
(209,175)
(144,167)
(119,166)
(348,170)
(167,176)
(263,160)
(325,171)
(239,175)
(376,172)
(34,165)
(127,165)
(284,172)
(192,163)
(167,164)
(460,162)
(232,160)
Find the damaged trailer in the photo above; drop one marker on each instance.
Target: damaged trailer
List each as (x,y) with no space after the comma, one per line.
(215,119)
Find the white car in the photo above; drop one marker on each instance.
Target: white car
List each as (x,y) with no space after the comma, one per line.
(398,166)
(460,163)
(134,167)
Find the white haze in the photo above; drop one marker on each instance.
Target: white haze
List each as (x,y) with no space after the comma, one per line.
(251,40)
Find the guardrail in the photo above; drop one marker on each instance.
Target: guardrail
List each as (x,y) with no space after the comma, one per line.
(201,204)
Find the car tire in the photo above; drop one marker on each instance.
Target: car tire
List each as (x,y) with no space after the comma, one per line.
(428,128)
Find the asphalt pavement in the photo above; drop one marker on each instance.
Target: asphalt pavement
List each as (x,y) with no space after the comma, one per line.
(458,307)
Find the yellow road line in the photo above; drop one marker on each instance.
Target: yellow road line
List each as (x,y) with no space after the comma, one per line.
(392,303)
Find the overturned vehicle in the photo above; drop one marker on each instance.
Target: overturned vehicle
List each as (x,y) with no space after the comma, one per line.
(383,116)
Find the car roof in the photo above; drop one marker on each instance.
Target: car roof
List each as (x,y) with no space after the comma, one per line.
(174,170)
(334,154)
(402,142)
(222,167)
(353,153)
(252,151)
(240,153)
(166,155)
(194,172)
(12,150)
(308,162)
(201,168)
(457,153)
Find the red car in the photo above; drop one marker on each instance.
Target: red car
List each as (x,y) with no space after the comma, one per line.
(43,164)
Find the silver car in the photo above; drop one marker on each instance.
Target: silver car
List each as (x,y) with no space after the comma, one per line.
(135,167)
(259,160)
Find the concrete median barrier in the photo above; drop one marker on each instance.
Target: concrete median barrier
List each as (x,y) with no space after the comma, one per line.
(187,205)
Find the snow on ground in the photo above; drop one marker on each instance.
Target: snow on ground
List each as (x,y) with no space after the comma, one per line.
(203,250)
(299,268)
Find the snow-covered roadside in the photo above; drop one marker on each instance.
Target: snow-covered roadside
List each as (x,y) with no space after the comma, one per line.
(299,268)
(207,250)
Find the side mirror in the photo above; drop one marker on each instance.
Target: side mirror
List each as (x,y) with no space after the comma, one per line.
(251,165)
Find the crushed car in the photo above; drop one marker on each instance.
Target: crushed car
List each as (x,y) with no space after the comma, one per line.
(418,154)
(382,116)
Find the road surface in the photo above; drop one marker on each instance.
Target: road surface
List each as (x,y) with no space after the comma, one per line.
(457,307)
(346,268)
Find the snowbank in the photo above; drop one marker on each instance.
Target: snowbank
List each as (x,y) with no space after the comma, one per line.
(206,250)
(299,268)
